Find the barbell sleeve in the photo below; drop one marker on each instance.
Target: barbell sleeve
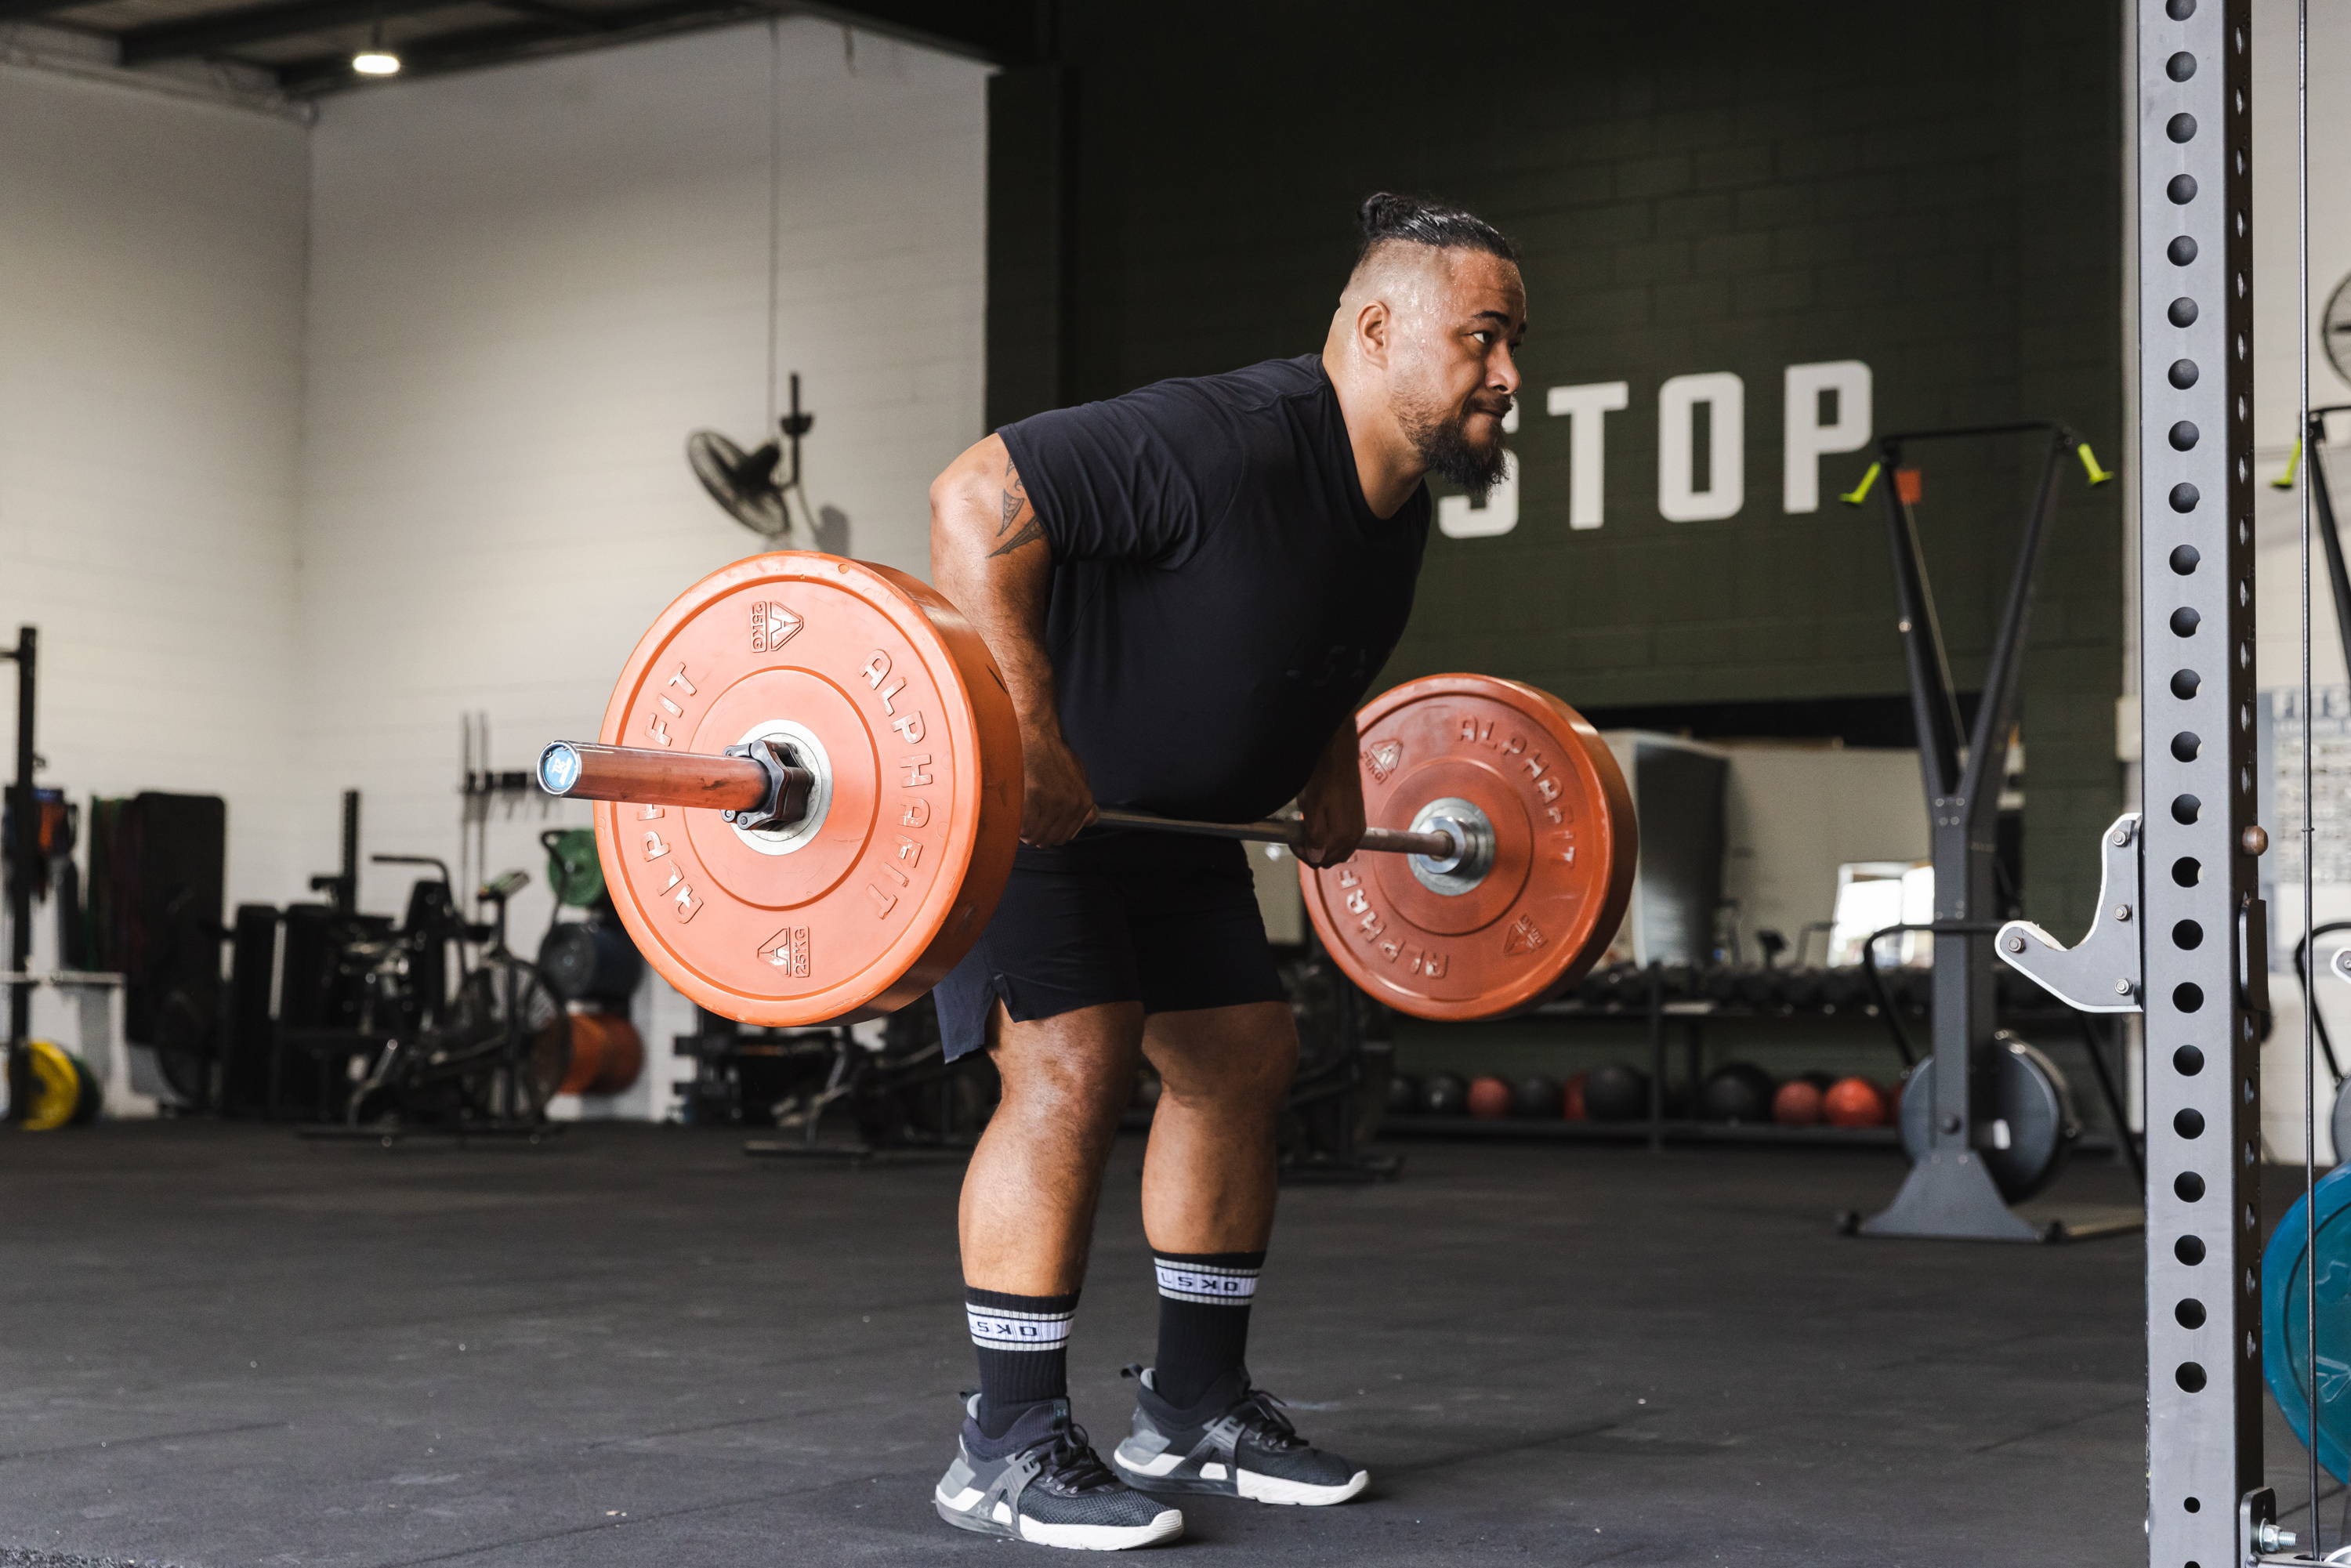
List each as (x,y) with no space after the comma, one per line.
(581,770)
(776,793)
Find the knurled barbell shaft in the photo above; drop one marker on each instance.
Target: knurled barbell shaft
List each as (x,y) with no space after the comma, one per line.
(582,771)
(1291,830)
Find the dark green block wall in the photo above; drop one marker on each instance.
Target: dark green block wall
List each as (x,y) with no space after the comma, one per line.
(1697,187)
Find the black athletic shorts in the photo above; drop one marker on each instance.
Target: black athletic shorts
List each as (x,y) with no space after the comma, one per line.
(1163,919)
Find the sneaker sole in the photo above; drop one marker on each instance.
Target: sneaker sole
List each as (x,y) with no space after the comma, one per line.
(1297,1494)
(1247,1484)
(1165,1526)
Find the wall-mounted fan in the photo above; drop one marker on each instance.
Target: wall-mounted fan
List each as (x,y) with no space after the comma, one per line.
(2334,330)
(746,482)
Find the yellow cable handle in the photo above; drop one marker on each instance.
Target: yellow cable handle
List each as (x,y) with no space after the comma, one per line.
(2090,464)
(2292,464)
(1860,492)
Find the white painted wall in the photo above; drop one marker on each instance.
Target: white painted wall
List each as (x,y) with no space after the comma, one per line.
(527,287)
(1792,814)
(151,256)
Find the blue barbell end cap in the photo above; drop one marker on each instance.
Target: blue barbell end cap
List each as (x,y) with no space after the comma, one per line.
(559,768)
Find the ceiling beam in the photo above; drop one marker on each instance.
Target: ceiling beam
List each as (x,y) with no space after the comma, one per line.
(219,32)
(477,46)
(1002,31)
(24,10)
(986,25)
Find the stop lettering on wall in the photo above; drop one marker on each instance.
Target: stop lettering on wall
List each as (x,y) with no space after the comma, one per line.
(1701,446)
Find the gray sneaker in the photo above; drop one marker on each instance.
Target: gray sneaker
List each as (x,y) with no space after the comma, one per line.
(1042,1482)
(1234,1442)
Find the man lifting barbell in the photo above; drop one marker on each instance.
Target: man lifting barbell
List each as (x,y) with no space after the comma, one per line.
(1188,590)
(814,779)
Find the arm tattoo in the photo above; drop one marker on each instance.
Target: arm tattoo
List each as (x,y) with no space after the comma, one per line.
(1028,535)
(1015,497)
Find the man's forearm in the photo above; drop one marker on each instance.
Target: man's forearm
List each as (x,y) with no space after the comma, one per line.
(1338,759)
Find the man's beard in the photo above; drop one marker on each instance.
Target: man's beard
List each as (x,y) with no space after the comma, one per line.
(1444,444)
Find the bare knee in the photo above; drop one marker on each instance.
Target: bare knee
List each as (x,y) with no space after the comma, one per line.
(1237,1058)
(1074,1071)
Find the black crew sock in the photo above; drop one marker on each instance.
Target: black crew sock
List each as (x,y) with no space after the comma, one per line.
(1204,1313)
(1024,1358)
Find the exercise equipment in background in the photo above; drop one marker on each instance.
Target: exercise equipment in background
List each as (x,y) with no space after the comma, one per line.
(1737,1092)
(1403,1095)
(1798,1102)
(1489,1098)
(60,1090)
(2031,1117)
(157,863)
(1618,1091)
(1537,1097)
(1855,1103)
(1948,1193)
(23,849)
(607,1055)
(1346,1066)
(1444,1095)
(2288,1336)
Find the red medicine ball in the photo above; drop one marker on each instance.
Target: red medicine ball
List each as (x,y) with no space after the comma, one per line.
(1489,1098)
(1854,1102)
(1797,1104)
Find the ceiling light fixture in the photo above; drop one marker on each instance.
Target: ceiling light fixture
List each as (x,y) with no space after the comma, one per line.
(375,61)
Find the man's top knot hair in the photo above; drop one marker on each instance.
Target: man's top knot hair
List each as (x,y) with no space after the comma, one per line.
(1416,220)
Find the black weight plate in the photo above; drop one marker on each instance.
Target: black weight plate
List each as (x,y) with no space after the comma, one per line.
(183,1047)
(585,960)
(90,1098)
(2032,1111)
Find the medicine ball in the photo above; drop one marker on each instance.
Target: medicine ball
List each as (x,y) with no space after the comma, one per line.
(1735,1091)
(1797,1104)
(1536,1095)
(1573,1107)
(1489,1098)
(1404,1094)
(1444,1095)
(1617,1093)
(1854,1102)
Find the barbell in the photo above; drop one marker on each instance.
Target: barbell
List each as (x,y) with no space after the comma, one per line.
(807,787)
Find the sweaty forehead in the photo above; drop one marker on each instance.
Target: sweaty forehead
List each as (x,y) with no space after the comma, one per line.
(1479,284)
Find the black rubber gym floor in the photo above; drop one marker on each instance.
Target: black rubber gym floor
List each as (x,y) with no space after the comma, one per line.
(219,1345)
